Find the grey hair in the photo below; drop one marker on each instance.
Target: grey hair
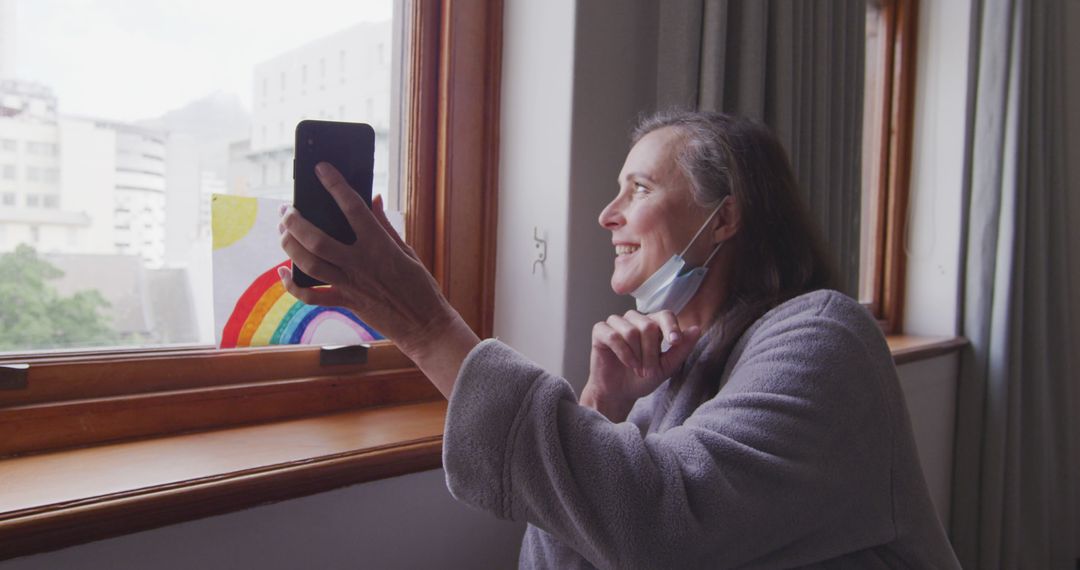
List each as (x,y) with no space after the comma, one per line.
(705,156)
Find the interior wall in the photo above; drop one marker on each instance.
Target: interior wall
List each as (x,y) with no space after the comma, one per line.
(614,81)
(534,172)
(929,388)
(933,239)
(402,522)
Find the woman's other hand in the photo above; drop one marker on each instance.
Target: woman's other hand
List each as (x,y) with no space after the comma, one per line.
(627,361)
(380,278)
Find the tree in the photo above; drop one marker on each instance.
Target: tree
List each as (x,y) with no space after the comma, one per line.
(34,316)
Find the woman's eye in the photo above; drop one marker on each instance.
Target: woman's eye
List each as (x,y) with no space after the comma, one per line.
(640,189)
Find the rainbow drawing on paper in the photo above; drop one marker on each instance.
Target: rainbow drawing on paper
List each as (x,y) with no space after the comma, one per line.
(251,306)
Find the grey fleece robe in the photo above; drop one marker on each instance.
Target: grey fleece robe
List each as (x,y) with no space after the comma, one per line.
(805,457)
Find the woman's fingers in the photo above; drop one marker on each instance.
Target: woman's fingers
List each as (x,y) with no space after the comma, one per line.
(312,264)
(605,337)
(323,296)
(678,353)
(630,335)
(312,238)
(351,204)
(651,339)
(669,326)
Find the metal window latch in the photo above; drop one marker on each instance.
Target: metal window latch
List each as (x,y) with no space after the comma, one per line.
(14,376)
(343,354)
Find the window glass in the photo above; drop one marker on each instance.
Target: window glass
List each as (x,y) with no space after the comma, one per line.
(122,255)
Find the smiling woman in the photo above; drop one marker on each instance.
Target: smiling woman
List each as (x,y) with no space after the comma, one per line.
(774,402)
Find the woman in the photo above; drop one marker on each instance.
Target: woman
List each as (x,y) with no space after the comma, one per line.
(744,416)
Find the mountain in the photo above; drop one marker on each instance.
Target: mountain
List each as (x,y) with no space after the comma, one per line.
(216,117)
(210,123)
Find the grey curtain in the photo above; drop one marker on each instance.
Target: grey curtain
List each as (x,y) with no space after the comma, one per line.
(1018,421)
(797,66)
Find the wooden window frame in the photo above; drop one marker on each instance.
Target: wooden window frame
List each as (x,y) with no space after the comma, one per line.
(449,184)
(894,154)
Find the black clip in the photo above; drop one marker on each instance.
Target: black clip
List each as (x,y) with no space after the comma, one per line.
(343,354)
(14,376)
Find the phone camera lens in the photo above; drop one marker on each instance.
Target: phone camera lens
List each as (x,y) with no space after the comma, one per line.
(311,141)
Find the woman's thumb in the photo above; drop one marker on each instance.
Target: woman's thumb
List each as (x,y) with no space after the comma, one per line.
(680,350)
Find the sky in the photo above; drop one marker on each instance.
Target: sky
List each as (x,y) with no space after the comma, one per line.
(135,59)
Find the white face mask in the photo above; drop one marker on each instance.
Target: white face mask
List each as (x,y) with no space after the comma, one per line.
(673,285)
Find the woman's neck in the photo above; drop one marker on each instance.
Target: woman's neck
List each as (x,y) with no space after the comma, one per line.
(704,308)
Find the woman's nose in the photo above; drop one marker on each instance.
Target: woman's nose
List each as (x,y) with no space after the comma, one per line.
(611,216)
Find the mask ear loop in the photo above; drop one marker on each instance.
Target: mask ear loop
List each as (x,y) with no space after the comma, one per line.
(702,229)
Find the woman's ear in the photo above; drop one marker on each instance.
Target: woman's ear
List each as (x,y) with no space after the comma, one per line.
(727,221)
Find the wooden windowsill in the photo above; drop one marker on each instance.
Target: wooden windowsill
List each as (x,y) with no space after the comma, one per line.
(127,487)
(59,499)
(910,348)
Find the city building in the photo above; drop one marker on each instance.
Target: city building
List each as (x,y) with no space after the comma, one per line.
(78,185)
(342,77)
(31,208)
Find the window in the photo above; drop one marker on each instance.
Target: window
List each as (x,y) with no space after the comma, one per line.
(887,136)
(139,178)
(449,121)
(7,199)
(7,145)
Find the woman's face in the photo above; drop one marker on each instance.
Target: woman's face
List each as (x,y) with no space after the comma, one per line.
(654,215)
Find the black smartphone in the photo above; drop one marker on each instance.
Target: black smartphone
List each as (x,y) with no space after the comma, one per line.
(349,147)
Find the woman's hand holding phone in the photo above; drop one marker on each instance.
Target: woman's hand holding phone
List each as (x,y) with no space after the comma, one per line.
(380,278)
